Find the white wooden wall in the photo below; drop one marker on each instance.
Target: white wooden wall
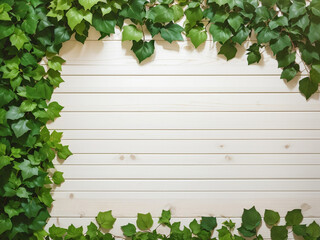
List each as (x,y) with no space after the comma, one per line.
(186,131)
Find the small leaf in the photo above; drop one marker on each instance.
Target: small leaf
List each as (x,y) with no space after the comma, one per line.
(228,50)
(129,230)
(208,223)
(198,36)
(195,227)
(20,128)
(18,39)
(251,218)
(131,33)
(27,169)
(294,217)
(279,233)
(88,4)
(165,217)
(143,49)
(58,177)
(105,220)
(219,33)
(144,221)
(271,217)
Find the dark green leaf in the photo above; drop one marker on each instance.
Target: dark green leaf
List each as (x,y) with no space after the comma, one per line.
(307,87)
(172,32)
(279,233)
(143,49)
(129,230)
(228,50)
(271,217)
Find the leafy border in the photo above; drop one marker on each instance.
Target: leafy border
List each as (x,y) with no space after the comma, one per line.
(33,30)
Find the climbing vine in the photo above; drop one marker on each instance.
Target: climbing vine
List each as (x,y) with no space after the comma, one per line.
(31,35)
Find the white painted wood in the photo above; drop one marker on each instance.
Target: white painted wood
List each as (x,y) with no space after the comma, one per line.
(191,172)
(185,131)
(175,84)
(186,102)
(187,120)
(191,204)
(239,185)
(190,159)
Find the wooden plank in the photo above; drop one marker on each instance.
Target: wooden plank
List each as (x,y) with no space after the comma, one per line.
(187,120)
(263,230)
(175,84)
(193,146)
(186,102)
(184,204)
(112,58)
(132,185)
(190,172)
(189,134)
(189,159)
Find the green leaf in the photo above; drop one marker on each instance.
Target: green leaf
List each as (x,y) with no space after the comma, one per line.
(241,36)
(198,36)
(54,77)
(40,91)
(44,196)
(103,24)
(22,192)
(88,4)
(247,233)
(4,161)
(129,230)
(55,63)
(27,170)
(235,21)
(92,231)
(208,223)
(299,230)
(224,234)
(266,35)
(251,218)
(253,57)
(315,7)
(64,4)
(14,113)
(172,32)
(194,15)
(18,39)
(285,59)
(30,24)
(64,152)
(13,208)
(314,32)
(165,217)
(58,177)
(28,60)
(134,10)
(228,50)
(131,33)
(161,14)
(220,16)
(177,12)
(61,34)
(32,208)
(297,9)
(271,217)
(20,128)
(143,49)
(313,230)
(290,72)
(279,233)
(6,29)
(294,217)
(40,220)
(105,220)
(74,17)
(53,110)
(195,227)
(219,33)
(73,232)
(281,21)
(5,223)
(57,232)
(280,44)
(27,106)
(144,221)
(315,73)
(6,96)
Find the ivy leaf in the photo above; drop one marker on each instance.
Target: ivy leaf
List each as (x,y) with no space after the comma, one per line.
(73,232)
(195,227)
(297,9)
(40,220)
(61,34)
(27,170)
(28,60)
(165,217)
(280,44)
(279,233)
(131,33)
(40,91)
(219,33)
(134,10)
(44,195)
(6,29)
(5,223)
(247,233)
(13,208)
(144,221)
(53,110)
(14,113)
(30,24)
(220,16)
(74,17)
(4,161)
(228,50)
(143,49)
(290,72)
(160,14)
(315,7)
(229,224)
(299,230)
(92,230)
(20,128)
(6,96)
(105,220)
(235,21)
(55,63)
(241,36)
(208,223)
(31,209)
(271,217)
(18,39)
(64,4)
(22,192)
(64,152)
(54,77)
(129,230)
(194,14)
(294,217)
(103,24)
(314,32)
(27,106)
(315,73)
(57,232)
(58,177)
(88,4)
(177,12)
(281,21)
(172,32)
(285,59)
(251,218)
(266,35)
(253,57)
(313,230)
(198,36)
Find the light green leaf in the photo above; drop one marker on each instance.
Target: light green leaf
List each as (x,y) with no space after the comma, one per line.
(88,4)
(280,44)
(144,221)
(271,217)
(5,223)
(129,230)
(57,232)
(131,33)
(105,220)
(219,33)
(195,227)
(55,63)
(27,106)
(18,39)
(177,12)
(20,128)
(313,230)
(297,9)
(4,161)
(235,21)
(165,217)
(198,36)
(27,170)
(314,32)
(74,17)
(58,177)
(6,29)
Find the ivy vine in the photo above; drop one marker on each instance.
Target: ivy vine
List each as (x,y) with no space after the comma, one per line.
(32,31)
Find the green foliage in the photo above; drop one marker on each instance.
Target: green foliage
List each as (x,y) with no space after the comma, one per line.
(34,30)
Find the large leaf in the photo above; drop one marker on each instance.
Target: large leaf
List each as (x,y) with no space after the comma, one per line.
(143,49)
